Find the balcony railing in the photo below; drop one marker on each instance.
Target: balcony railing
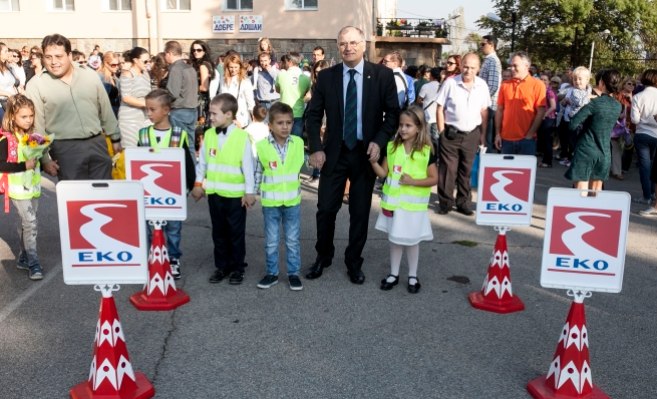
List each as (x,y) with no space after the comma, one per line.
(412,27)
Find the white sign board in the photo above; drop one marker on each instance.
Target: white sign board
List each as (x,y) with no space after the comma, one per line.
(223,24)
(584,245)
(506,190)
(250,23)
(102,232)
(162,172)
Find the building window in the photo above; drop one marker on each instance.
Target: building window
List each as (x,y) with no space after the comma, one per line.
(9,5)
(301,4)
(238,5)
(61,5)
(118,5)
(177,5)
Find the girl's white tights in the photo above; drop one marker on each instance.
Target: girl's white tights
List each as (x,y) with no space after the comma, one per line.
(412,255)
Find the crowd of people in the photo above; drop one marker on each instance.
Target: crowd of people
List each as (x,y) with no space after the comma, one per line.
(249,126)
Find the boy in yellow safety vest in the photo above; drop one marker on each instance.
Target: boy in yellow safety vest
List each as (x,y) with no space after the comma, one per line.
(163,135)
(279,162)
(18,121)
(226,162)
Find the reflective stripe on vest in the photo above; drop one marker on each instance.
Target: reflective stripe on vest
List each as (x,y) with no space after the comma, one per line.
(396,195)
(224,174)
(147,137)
(15,187)
(280,185)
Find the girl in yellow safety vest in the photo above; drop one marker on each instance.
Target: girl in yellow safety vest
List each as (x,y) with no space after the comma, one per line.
(18,121)
(409,166)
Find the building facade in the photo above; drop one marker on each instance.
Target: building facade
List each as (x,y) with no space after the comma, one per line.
(118,25)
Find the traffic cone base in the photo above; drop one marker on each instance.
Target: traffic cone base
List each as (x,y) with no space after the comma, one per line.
(479,302)
(141,301)
(540,390)
(144,390)
(160,292)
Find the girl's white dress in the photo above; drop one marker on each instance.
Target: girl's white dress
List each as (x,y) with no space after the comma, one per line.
(405,227)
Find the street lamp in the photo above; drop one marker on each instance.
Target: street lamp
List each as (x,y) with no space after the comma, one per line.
(604,35)
(514,16)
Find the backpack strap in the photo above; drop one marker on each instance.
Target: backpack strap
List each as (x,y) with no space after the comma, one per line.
(176,134)
(144,137)
(401,76)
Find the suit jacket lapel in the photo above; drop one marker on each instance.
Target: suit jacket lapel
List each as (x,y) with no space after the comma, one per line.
(367,71)
(339,89)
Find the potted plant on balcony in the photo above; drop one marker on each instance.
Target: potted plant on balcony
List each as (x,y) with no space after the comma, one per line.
(393,24)
(425,25)
(379,28)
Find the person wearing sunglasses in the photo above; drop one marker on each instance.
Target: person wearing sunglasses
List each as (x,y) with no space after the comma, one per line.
(107,73)
(79,57)
(16,65)
(452,67)
(201,61)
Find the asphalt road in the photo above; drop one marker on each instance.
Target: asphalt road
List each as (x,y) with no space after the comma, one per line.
(333,339)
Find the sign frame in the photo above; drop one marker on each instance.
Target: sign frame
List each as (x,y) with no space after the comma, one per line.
(160,210)
(99,191)
(254,19)
(221,20)
(597,279)
(493,217)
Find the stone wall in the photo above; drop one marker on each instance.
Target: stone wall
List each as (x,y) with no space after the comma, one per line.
(413,53)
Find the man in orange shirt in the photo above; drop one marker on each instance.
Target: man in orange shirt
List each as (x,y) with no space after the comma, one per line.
(520,109)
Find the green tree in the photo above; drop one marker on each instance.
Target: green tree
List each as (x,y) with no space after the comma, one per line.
(559,33)
(472,42)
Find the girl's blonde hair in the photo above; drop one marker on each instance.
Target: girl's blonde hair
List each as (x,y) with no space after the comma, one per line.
(108,76)
(265,40)
(422,138)
(234,59)
(14,104)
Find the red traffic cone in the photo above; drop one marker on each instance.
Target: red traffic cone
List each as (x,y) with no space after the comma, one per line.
(160,293)
(111,375)
(570,372)
(496,295)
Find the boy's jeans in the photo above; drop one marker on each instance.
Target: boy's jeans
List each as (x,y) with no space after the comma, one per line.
(172,233)
(28,231)
(646,148)
(291,216)
(520,147)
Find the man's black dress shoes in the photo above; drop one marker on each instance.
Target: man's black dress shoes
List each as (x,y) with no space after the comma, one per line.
(356,276)
(315,271)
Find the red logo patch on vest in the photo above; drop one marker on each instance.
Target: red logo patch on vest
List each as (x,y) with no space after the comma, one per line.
(396,169)
(273,165)
(213,152)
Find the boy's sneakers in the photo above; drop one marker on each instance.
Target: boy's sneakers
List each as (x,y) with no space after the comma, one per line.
(22,265)
(295,283)
(268,281)
(175,268)
(36,273)
(236,278)
(649,212)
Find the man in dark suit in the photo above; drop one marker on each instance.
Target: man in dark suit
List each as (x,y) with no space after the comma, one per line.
(362,114)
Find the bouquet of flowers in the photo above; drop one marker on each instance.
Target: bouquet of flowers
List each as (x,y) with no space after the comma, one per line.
(34,145)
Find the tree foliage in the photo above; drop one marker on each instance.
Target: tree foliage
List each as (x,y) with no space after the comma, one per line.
(559,33)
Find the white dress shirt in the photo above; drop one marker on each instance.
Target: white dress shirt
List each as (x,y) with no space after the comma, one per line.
(462,107)
(247,161)
(644,109)
(358,78)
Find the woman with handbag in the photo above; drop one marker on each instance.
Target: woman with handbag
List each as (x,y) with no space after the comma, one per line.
(239,85)
(8,82)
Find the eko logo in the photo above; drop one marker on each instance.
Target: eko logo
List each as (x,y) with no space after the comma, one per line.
(584,240)
(161,181)
(103,233)
(506,190)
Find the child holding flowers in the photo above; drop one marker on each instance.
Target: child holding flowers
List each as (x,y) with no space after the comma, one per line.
(20,176)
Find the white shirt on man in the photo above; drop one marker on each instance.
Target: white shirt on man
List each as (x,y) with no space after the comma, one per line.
(644,109)
(462,107)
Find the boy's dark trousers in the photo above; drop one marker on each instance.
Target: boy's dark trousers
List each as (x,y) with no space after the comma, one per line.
(228,229)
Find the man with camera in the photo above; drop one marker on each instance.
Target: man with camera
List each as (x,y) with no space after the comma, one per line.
(462,118)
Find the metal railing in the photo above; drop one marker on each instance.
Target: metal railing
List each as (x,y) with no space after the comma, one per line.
(412,27)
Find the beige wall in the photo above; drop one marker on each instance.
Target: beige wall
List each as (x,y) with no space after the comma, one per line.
(89,21)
